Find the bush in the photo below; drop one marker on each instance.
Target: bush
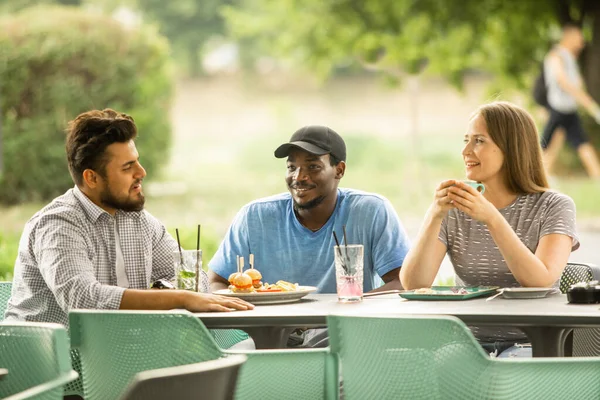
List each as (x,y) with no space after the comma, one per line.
(56,62)
(9,245)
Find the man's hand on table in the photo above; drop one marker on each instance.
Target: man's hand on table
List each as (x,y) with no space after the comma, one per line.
(199,302)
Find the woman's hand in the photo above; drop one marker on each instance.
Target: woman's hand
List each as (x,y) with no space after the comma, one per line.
(442,203)
(471,202)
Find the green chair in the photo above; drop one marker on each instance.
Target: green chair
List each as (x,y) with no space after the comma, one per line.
(72,388)
(36,356)
(215,380)
(585,341)
(116,345)
(308,374)
(226,338)
(416,357)
(5,289)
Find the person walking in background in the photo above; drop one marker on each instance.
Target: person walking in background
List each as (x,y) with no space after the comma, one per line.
(95,247)
(516,233)
(565,92)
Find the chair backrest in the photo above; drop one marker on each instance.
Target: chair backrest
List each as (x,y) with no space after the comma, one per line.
(116,345)
(226,338)
(586,342)
(438,357)
(578,272)
(213,380)
(5,289)
(403,357)
(33,354)
(308,374)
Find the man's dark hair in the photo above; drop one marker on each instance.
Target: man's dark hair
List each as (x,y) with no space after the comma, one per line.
(333,161)
(90,134)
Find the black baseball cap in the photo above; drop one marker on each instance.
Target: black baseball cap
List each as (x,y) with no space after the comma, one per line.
(317,140)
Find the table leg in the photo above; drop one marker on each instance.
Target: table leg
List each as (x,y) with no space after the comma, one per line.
(269,337)
(547,341)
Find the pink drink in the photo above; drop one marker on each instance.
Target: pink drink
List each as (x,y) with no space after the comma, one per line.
(349,288)
(349,272)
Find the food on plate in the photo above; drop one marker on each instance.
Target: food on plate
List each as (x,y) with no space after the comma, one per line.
(280,286)
(256,277)
(250,281)
(424,291)
(232,277)
(242,283)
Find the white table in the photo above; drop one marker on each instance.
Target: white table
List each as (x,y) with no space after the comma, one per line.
(547,321)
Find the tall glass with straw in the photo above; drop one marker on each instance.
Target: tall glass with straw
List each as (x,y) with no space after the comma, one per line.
(188,266)
(349,264)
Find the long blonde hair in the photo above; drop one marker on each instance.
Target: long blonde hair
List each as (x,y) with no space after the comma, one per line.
(514,132)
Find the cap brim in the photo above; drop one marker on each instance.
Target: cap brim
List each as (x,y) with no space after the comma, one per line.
(284,150)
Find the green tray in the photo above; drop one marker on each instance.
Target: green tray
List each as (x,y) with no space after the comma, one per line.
(449,293)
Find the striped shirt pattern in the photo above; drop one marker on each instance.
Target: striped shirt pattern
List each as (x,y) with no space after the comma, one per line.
(67,258)
(474,254)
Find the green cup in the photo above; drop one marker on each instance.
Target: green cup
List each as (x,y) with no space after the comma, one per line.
(476,185)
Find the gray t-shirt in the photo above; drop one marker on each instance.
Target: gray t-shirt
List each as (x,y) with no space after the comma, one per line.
(475,256)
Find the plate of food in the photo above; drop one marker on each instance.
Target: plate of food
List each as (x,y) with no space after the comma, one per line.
(270,297)
(448,292)
(527,292)
(247,285)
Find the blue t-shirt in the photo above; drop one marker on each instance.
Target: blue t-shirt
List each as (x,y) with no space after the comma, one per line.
(285,249)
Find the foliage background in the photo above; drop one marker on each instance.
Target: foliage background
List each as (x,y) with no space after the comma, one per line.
(402,138)
(61,62)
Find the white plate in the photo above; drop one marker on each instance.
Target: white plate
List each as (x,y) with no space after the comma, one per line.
(526,292)
(257,298)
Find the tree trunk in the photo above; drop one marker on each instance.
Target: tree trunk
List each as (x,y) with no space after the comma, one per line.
(591,70)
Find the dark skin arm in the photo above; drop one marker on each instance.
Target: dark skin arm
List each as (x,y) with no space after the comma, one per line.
(391,280)
(217,282)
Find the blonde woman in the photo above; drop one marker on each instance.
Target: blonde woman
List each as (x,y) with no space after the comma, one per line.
(517,233)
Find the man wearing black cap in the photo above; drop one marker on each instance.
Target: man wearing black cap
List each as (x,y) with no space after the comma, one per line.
(291,234)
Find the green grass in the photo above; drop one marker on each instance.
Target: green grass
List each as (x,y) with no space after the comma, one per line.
(9,243)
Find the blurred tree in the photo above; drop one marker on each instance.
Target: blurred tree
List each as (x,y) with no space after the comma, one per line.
(16,5)
(56,62)
(445,37)
(188,24)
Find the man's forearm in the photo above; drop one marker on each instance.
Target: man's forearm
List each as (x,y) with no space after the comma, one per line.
(153,299)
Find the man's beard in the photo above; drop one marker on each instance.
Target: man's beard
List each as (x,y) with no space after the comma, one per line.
(108,199)
(310,205)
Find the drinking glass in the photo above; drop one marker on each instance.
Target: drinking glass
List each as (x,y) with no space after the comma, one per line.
(349,262)
(185,271)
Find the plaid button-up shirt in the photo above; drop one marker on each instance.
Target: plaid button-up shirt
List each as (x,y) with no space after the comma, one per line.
(67,258)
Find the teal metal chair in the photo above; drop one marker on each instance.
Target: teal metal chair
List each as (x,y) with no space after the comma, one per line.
(585,342)
(36,356)
(116,345)
(307,374)
(72,388)
(226,338)
(213,380)
(415,357)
